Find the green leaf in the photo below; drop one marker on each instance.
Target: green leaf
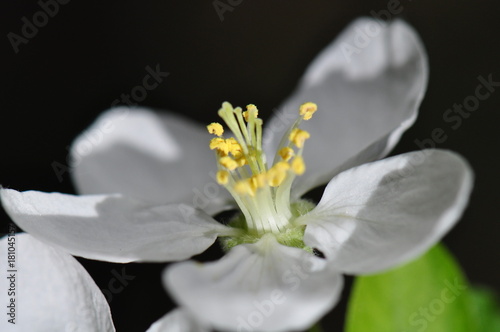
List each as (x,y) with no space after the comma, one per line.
(429,294)
(485,310)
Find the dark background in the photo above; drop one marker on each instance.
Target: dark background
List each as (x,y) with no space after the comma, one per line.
(92,51)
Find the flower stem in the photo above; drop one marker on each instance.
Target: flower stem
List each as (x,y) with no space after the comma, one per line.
(316,328)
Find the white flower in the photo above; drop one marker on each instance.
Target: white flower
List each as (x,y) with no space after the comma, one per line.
(371,217)
(48,290)
(178,320)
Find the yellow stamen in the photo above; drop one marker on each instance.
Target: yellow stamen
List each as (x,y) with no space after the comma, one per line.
(258,181)
(277,174)
(220,145)
(234,147)
(215,128)
(262,193)
(251,111)
(298,137)
(228,163)
(241,160)
(286,153)
(298,165)
(243,187)
(307,110)
(222,177)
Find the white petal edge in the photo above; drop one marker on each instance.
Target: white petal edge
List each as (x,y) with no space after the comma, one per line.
(382,214)
(178,320)
(141,154)
(111,227)
(53,292)
(370,96)
(263,287)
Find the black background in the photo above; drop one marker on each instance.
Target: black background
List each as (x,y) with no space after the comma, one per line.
(92,51)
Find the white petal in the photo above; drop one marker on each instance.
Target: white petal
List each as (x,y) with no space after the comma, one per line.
(370,96)
(53,292)
(161,159)
(178,320)
(111,227)
(375,216)
(264,286)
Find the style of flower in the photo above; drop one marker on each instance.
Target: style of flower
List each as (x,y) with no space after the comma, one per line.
(285,255)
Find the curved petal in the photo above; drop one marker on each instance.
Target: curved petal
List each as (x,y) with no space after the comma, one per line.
(370,95)
(262,286)
(178,320)
(378,215)
(51,291)
(111,227)
(160,159)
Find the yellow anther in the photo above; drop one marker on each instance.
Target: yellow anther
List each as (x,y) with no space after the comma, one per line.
(234,147)
(245,115)
(232,141)
(228,163)
(219,144)
(262,191)
(244,187)
(284,166)
(258,181)
(222,177)
(307,110)
(298,165)
(286,153)
(251,111)
(277,174)
(215,128)
(252,107)
(241,160)
(298,137)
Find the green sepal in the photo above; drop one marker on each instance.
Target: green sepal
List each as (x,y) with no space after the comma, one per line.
(293,236)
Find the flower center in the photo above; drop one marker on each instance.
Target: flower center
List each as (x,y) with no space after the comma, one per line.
(261,192)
